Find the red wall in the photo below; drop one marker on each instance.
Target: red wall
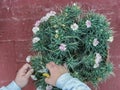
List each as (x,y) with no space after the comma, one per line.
(17,18)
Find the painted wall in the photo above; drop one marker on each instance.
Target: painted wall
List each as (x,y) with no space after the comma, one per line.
(17,18)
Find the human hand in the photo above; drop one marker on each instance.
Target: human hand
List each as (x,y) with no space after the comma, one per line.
(23,75)
(55,72)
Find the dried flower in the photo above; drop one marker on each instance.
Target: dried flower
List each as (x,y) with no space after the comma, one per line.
(56,35)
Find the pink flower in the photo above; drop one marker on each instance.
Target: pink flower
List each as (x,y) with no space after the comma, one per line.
(62,47)
(49,87)
(98,59)
(95,42)
(37,23)
(88,23)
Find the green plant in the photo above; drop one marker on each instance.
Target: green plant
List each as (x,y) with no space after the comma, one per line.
(74,37)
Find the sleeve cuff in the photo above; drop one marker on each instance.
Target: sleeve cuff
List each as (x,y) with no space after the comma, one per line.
(62,80)
(13,86)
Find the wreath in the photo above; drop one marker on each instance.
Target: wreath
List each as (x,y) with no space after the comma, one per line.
(80,39)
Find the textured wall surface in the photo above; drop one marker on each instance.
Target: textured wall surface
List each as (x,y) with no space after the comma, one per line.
(17,18)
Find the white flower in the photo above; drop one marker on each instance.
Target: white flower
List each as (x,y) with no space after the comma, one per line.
(39,88)
(49,87)
(56,31)
(35,40)
(47,16)
(98,59)
(35,30)
(42,70)
(74,4)
(88,23)
(51,13)
(95,42)
(37,23)
(110,39)
(28,59)
(96,65)
(33,77)
(43,19)
(74,26)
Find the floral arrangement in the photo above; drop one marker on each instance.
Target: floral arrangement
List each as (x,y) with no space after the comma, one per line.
(73,37)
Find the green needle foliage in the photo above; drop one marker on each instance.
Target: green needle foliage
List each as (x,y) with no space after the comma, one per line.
(75,38)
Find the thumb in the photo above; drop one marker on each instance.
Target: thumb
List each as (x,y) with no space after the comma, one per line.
(28,74)
(66,67)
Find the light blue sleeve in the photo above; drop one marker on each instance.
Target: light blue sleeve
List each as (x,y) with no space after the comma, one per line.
(67,82)
(11,86)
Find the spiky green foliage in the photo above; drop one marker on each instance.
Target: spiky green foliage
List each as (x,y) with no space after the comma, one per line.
(79,51)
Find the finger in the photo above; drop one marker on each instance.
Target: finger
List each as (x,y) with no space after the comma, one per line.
(50,65)
(29,73)
(63,69)
(47,80)
(66,67)
(25,67)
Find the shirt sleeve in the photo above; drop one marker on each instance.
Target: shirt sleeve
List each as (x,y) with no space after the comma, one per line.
(67,82)
(11,86)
